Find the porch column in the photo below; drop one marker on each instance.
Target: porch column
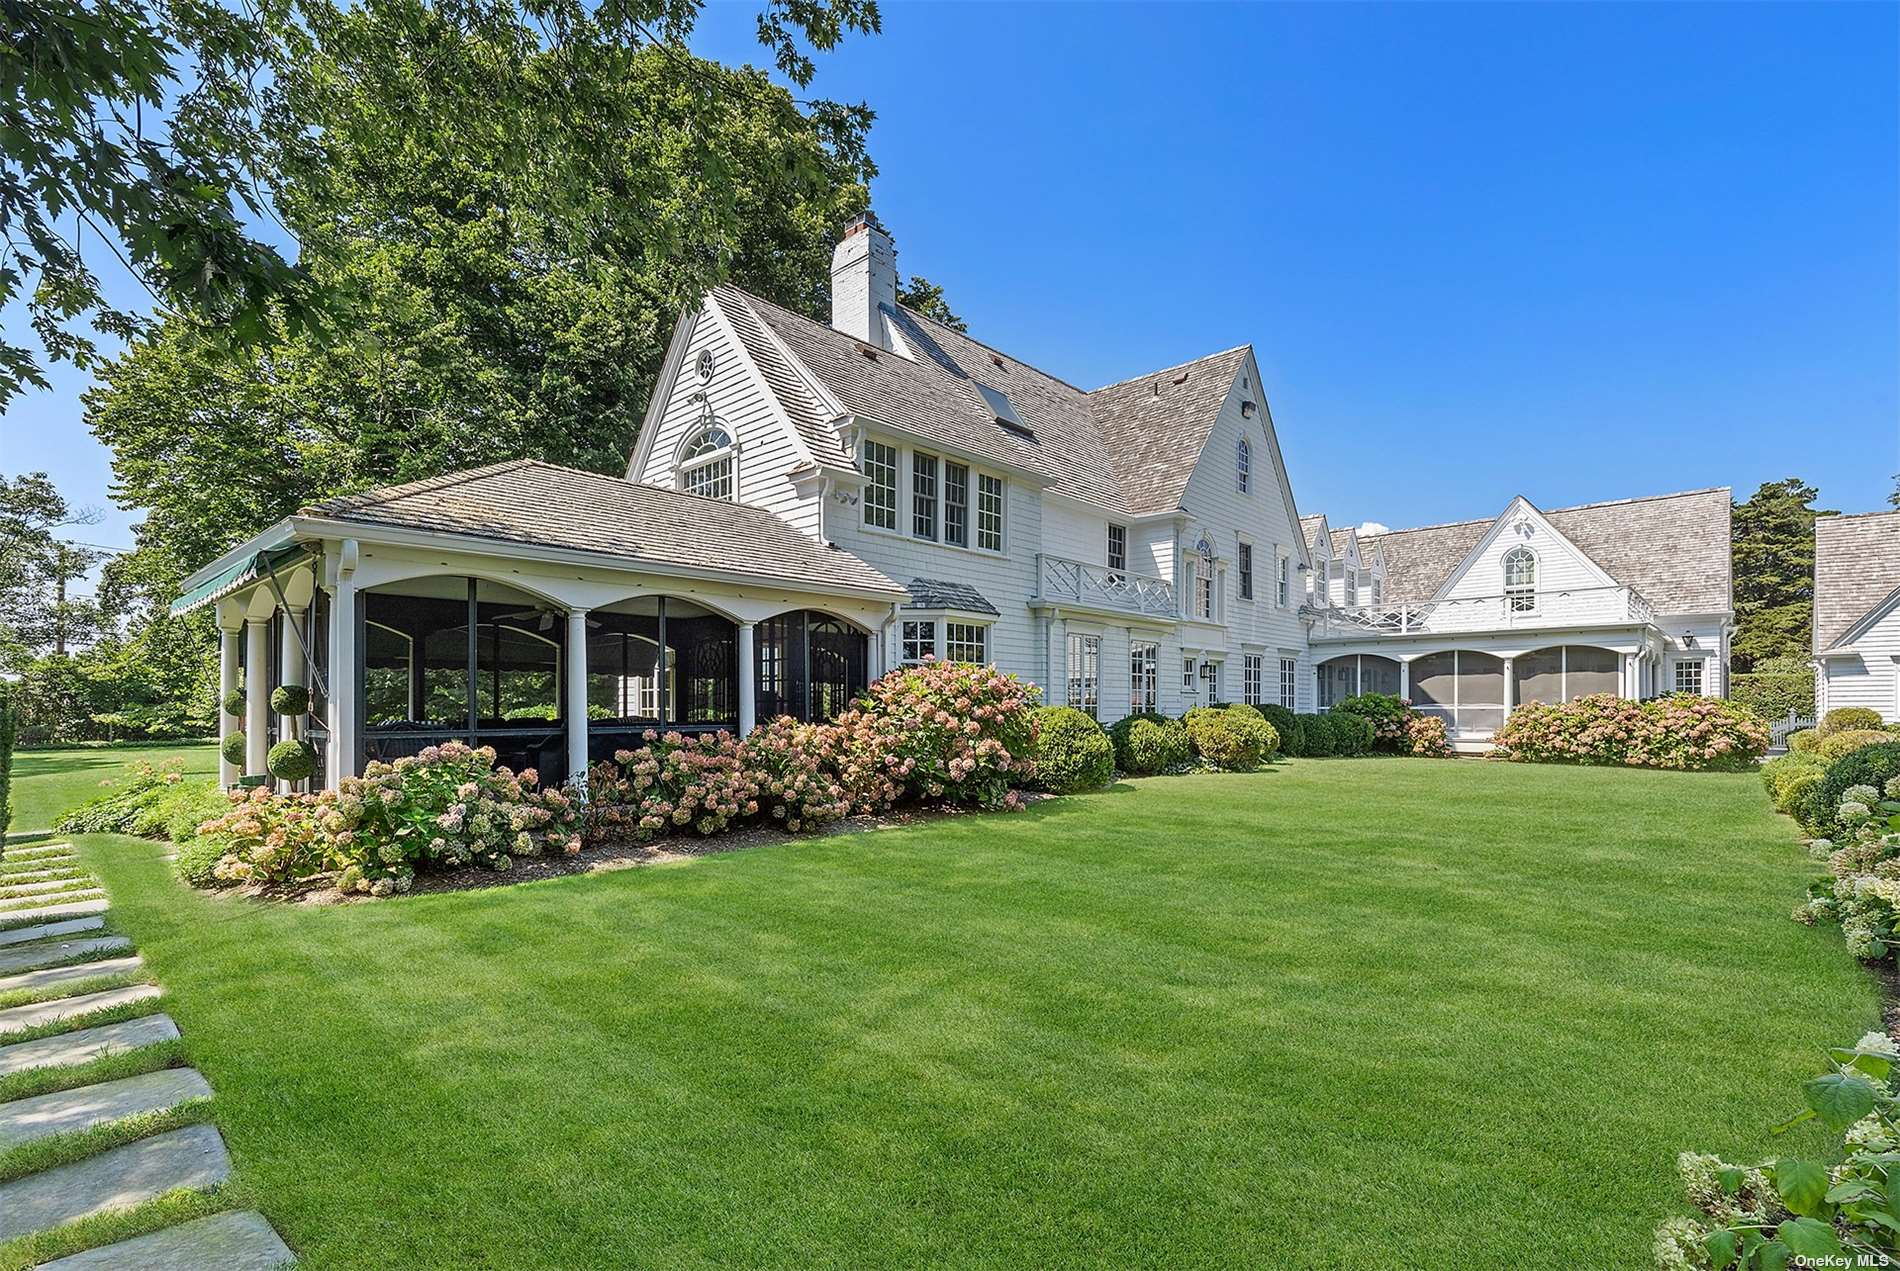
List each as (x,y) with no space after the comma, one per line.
(343,675)
(576,694)
(295,670)
(748,688)
(228,772)
(1629,675)
(1510,686)
(256,695)
(1405,678)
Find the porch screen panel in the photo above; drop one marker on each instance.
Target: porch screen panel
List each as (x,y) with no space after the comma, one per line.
(1539,676)
(1379,675)
(623,684)
(838,656)
(1336,680)
(704,649)
(1593,671)
(1434,682)
(1480,692)
(518,659)
(779,645)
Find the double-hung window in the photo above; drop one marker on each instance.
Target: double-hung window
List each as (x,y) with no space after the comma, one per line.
(1204,590)
(1289,669)
(966,642)
(1085,665)
(1144,676)
(880,485)
(1243,466)
(920,641)
(1284,583)
(989,512)
(956,504)
(1187,675)
(1250,669)
(1246,571)
(1689,677)
(1117,548)
(923,496)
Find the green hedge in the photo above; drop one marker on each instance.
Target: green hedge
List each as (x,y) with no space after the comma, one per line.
(9,725)
(1774,694)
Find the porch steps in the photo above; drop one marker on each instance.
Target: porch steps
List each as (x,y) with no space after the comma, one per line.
(67,1050)
(47,977)
(237,1241)
(33,956)
(18,1018)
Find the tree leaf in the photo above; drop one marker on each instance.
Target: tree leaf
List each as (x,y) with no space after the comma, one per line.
(1839,1099)
(1808,1238)
(1803,1186)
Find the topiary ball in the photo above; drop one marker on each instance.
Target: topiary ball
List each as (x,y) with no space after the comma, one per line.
(232,748)
(291,760)
(290,699)
(233,701)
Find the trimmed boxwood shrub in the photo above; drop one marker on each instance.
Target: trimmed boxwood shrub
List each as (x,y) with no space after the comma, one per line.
(1287,725)
(1223,740)
(1352,733)
(291,760)
(1321,738)
(1848,719)
(232,748)
(1250,721)
(1804,739)
(233,701)
(290,699)
(1782,777)
(1840,745)
(1871,766)
(1072,751)
(1147,743)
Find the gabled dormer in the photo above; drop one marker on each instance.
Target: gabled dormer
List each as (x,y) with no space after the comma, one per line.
(1520,563)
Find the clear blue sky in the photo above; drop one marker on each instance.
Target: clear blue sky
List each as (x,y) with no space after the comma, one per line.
(1574,252)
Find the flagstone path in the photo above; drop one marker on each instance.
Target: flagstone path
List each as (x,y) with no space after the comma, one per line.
(56,953)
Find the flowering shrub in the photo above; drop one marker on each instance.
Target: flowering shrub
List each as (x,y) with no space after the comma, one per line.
(948,731)
(703,783)
(1389,716)
(448,805)
(1681,732)
(1788,1211)
(1863,892)
(153,801)
(802,771)
(1072,751)
(1871,766)
(265,838)
(1428,736)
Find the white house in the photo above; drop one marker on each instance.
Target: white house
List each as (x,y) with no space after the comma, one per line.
(1857,613)
(809,505)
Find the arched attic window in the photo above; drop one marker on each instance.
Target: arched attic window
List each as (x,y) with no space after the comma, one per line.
(1520,580)
(1243,466)
(705,463)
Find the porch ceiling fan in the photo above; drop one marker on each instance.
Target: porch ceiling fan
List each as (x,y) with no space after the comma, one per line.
(545,618)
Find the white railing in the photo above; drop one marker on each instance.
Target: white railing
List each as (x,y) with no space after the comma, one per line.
(1077,582)
(1574,605)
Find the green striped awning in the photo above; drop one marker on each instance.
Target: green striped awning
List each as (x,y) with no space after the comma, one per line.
(242,574)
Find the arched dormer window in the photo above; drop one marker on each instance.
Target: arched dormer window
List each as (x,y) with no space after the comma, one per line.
(1243,466)
(705,463)
(1520,580)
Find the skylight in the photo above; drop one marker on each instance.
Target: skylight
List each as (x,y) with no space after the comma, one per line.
(1000,407)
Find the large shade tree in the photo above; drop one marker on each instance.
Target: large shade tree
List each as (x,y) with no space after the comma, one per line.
(1773,546)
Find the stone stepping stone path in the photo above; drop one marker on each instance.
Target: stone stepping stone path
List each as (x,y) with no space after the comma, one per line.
(39,956)
(47,953)
(19,891)
(49,976)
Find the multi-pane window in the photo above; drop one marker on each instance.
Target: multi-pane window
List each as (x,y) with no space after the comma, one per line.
(1085,659)
(1118,547)
(706,464)
(956,504)
(966,642)
(1378,589)
(923,496)
(1204,590)
(1144,676)
(880,485)
(1246,571)
(989,512)
(1187,675)
(1250,668)
(1520,580)
(1689,678)
(1210,679)
(1243,466)
(1289,668)
(920,641)
(1284,583)
(1352,585)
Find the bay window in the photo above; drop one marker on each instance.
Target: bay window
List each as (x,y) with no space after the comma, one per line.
(966,642)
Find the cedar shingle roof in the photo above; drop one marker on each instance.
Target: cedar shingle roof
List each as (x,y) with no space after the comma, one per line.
(1856,567)
(542,504)
(1126,448)
(1673,548)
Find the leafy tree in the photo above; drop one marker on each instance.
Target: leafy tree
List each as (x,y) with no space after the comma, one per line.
(926,297)
(1893,499)
(37,568)
(1773,554)
(167,130)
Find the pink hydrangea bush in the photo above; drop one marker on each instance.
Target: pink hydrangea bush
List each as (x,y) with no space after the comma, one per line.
(950,732)
(1427,736)
(801,770)
(1680,732)
(265,838)
(673,782)
(450,806)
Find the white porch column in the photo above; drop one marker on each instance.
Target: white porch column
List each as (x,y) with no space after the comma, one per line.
(295,672)
(576,694)
(228,772)
(748,688)
(343,740)
(1510,685)
(256,695)
(1629,675)
(1405,678)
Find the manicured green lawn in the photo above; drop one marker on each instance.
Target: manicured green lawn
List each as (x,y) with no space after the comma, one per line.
(1384,1013)
(48,783)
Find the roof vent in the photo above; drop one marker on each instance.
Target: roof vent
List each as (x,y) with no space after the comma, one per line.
(870,354)
(1247,409)
(997,360)
(1181,378)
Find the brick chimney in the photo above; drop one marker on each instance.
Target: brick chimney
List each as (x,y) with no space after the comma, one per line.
(864,277)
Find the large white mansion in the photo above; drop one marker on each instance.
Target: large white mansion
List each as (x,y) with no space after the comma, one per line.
(809,505)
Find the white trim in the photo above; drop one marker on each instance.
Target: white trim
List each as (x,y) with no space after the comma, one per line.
(1602,576)
(662,391)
